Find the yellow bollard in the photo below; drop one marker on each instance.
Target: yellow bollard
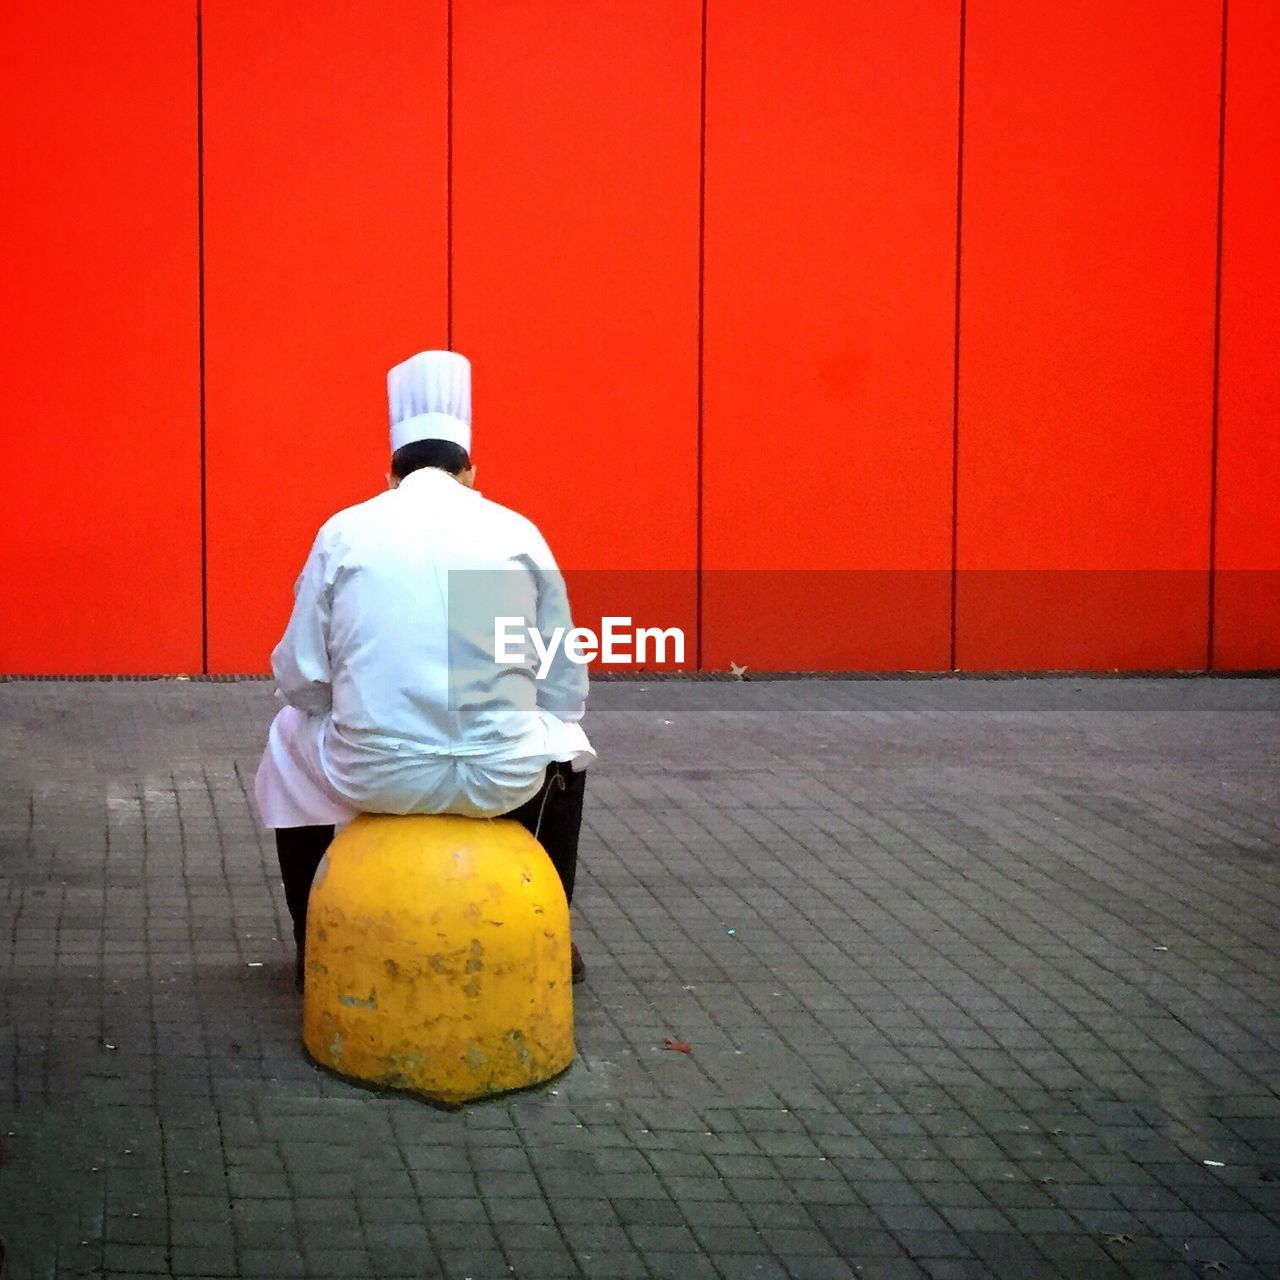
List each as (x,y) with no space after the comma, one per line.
(438,958)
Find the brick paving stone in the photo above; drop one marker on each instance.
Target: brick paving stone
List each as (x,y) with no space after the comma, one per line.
(281,1262)
(977,974)
(680,1266)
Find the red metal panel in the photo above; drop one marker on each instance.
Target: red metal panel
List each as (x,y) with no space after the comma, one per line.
(829,332)
(1247,580)
(326,263)
(575,259)
(100,366)
(1086,337)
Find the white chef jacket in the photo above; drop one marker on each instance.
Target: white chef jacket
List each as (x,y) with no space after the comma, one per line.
(390,657)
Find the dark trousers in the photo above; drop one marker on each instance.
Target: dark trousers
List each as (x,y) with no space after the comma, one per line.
(553,817)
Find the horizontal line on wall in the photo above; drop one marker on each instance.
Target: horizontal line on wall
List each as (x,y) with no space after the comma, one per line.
(1261,673)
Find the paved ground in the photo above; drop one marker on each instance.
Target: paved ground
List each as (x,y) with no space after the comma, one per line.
(980,979)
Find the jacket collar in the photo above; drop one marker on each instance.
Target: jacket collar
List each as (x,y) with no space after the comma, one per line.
(429,479)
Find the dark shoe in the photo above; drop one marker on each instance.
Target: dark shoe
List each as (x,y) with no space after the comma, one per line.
(577,968)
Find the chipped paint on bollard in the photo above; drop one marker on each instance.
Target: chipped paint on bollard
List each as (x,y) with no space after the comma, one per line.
(438,958)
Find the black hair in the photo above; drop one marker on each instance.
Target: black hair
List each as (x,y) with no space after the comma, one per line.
(443,454)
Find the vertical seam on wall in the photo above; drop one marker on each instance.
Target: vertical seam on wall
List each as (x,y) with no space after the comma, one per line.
(448,181)
(204,482)
(702,254)
(955,369)
(1217,351)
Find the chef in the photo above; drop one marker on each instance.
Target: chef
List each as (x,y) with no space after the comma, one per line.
(395,701)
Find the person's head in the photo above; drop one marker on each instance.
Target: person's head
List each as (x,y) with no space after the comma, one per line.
(444,455)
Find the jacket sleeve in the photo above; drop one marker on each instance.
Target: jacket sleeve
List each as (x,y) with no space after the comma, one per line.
(564,690)
(301,660)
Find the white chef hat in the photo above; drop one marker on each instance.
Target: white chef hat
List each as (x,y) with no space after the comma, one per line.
(429,397)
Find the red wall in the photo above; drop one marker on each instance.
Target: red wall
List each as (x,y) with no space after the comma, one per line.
(575,285)
(1086,333)
(100,482)
(326,261)
(829,334)
(1246,632)
(860,337)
